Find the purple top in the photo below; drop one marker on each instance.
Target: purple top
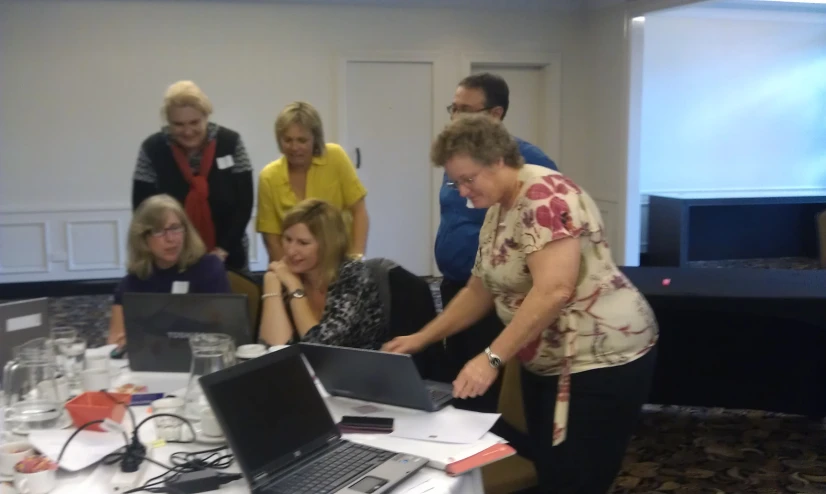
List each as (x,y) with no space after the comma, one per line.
(208,275)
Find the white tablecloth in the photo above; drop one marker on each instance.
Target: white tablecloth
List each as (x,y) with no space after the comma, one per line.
(97,478)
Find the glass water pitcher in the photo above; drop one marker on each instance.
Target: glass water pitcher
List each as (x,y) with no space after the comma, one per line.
(211,352)
(31,395)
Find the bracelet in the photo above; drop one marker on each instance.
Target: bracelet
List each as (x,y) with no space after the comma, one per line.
(268,295)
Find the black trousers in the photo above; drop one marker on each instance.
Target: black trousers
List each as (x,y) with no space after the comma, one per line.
(604,411)
(462,347)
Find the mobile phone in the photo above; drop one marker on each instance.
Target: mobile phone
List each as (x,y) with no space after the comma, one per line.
(350,423)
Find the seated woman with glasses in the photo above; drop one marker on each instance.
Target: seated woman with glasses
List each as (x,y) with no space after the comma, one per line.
(316,292)
(166,255)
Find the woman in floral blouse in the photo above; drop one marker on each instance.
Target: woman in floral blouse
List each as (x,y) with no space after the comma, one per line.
(316,293)
(585,336)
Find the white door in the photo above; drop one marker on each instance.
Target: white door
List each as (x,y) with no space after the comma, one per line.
(524,111)
(388,129)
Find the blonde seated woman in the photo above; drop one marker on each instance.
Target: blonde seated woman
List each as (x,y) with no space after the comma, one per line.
(165,251)
(316,292)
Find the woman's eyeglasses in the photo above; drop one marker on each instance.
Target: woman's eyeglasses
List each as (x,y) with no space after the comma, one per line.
(172,231)
(466,181)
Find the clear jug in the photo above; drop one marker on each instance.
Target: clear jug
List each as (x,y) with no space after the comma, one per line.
(32,399)
(211,352)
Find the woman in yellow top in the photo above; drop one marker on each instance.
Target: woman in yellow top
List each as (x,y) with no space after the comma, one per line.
(309,168)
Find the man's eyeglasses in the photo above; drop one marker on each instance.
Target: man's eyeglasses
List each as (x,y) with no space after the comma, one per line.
(172,231)
(453,109)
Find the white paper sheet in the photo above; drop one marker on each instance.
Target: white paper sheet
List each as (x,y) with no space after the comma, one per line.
(87,448)
(448,425)
(439,455)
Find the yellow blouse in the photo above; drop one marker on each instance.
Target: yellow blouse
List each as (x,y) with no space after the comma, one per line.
(331,177)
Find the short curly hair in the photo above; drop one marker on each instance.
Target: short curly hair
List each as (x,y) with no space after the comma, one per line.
(479,137)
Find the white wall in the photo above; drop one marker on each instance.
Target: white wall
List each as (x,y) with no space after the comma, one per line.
(81,83)
(734,101)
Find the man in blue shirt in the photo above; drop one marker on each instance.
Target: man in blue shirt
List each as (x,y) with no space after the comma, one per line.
(458,238)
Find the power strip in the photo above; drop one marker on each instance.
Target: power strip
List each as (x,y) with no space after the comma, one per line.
(123,481)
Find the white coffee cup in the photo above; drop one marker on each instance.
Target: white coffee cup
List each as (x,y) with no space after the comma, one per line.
(35,483)
(209,424)
(11,453)
(247,352)
(168,428)
(97,361)
(96,379)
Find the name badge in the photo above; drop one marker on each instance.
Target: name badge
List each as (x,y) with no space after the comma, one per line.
(225,162)
(180,287)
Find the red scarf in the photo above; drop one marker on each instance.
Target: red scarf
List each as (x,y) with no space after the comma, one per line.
(196,204)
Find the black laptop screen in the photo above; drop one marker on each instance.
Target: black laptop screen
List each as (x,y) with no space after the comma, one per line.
(271,412)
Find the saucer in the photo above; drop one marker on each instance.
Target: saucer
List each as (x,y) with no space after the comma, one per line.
(5,478)
(64,422)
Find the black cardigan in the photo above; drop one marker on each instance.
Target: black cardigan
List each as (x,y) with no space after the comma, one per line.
(230,189)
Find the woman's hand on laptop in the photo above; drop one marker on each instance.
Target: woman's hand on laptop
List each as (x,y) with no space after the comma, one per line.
(410,344)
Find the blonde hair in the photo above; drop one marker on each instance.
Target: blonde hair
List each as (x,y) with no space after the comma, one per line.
(185,93)
(151,217)
(327,226)
(304,114)
(479,137)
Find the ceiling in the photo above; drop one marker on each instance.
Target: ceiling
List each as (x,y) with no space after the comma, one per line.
(538,5)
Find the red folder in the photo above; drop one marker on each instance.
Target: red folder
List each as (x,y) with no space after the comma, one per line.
(492,454)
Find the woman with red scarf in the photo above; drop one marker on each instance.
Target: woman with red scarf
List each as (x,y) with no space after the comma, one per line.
(205,167)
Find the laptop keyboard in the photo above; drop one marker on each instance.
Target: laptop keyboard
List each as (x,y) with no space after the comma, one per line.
(332,471)
(436,395)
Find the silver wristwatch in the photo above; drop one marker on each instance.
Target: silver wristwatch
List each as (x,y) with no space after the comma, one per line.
(494,360)
(297,293)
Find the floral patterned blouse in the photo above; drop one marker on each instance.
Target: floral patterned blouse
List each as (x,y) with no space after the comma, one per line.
(607,322)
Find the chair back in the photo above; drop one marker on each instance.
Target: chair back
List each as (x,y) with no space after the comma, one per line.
(241,283)
(408,307)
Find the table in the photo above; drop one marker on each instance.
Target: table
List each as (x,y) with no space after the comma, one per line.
(738,338)
(96,479)
(684,227)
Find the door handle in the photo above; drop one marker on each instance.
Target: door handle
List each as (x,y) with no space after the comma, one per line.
(358,158)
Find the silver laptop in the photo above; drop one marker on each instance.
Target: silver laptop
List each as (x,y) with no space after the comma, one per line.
(20,322)
(283,436)
(371,375)
(158,326)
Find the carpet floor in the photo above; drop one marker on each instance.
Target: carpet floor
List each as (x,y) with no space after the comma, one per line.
(675,449)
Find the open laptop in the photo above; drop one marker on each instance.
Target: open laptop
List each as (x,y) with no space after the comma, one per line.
(283,436)
(21,321)
(371,375)
(158,326)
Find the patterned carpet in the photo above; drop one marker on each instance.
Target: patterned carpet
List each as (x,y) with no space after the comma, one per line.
(675,450)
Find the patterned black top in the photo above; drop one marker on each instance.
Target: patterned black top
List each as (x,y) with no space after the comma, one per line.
(353,314)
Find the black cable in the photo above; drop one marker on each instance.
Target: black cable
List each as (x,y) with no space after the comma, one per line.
(75,433)
(185,462)
(155,415)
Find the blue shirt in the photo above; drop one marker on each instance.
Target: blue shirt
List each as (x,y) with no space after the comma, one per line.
(458,238)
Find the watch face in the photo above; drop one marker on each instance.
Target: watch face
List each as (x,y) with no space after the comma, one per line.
(298,293)
(495,362)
